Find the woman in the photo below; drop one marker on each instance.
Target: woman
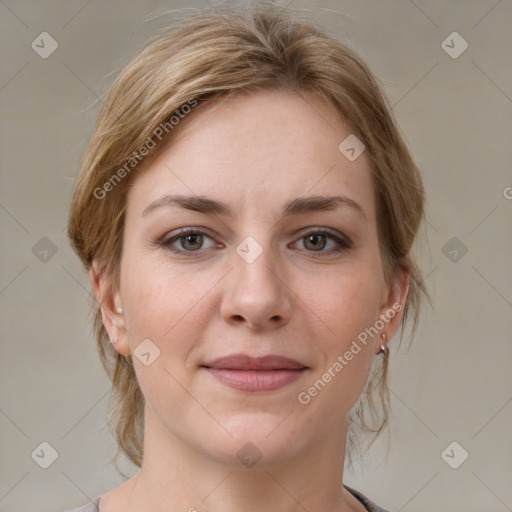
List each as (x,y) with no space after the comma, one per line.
(246,210)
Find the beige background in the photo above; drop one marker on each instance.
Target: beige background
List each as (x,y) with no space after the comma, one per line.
(454,384)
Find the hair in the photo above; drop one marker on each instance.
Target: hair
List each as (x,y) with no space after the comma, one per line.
(212,55)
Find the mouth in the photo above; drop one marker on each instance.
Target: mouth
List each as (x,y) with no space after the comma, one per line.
(254,374)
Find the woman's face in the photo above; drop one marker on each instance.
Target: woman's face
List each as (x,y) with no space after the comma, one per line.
(271,272)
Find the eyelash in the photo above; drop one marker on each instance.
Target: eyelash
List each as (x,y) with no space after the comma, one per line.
(343,245)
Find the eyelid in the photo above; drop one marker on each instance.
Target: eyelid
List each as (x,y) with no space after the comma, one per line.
(325,231)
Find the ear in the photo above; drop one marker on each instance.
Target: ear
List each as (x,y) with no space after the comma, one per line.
(111,308)
(392,307)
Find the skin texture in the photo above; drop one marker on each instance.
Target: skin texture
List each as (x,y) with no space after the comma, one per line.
(255,152)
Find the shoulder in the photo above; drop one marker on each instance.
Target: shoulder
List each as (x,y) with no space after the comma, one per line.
(92,506)
(369,504)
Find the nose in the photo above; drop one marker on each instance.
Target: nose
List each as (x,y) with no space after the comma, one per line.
(256,293)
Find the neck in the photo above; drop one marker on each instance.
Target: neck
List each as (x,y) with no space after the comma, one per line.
(176,476)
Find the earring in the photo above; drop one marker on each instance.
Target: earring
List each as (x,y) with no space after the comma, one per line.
(115,341)
(383,348)
(119,310)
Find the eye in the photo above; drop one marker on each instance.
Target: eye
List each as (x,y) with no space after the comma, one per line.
(188,240)
(316,241)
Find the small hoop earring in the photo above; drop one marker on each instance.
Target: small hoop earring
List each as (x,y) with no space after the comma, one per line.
(383,348)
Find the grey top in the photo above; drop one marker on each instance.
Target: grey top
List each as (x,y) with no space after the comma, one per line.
(92,506)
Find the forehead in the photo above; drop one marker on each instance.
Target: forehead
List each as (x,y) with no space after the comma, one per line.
(257,148)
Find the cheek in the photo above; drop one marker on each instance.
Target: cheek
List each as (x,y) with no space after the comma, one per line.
(167,304)
(162,306)
(347,301)
(151,292)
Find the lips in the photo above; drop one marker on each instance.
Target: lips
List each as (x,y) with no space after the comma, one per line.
(246,373)
(245,362)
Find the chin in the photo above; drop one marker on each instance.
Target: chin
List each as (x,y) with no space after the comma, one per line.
(259,442)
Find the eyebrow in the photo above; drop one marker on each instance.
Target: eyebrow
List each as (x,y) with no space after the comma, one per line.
(298,206)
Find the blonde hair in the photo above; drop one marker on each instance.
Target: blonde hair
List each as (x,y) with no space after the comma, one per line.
(207,56)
